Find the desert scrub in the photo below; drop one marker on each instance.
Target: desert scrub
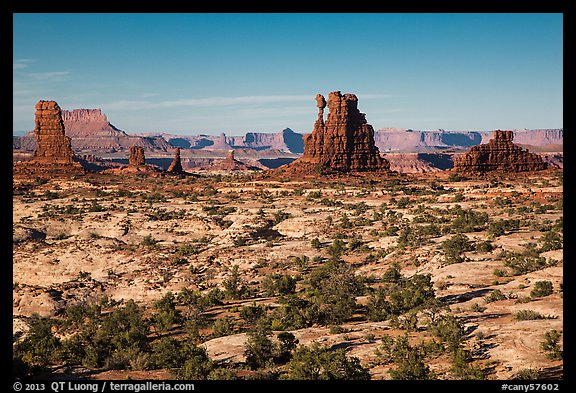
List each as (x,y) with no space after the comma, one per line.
(319,363)
(551,345)
(277,284)
(467,220)
(484,246)
(454,247)
(527,374)
(528,315)
(551,241)
(398,297)
(494,296)
(527,261)
(333,288)
(541,289)
(501,227)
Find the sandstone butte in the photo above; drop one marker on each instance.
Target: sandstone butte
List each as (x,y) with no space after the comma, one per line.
(176,165)
(136,157)
(53,152)
(343,143)
(499,155)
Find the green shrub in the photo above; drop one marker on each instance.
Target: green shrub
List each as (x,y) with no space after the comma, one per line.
(454,247)
(397,298)
(319,363)
(527,315)
(234,287)
(467,220)
(277,284)
(551,241)
(223,327)
(462,368)
(494,296)
(551,345)
(40,346)
(527,374)
(315,243)
(484,246)
(541,289)
(167,314)
(409,361)
(526,262)
(197,364)
(252,313)
(259,349)
(500,227)
(333,288)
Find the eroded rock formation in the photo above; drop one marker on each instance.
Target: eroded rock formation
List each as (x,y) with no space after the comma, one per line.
(136,157)
(53,155)
(499,154)
(176,165)
(344,142)
(230,164)
(53,144)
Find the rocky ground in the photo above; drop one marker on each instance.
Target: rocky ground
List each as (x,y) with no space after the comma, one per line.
(136,237)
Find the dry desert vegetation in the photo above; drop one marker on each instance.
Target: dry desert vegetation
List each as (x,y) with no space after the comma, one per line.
(265,276)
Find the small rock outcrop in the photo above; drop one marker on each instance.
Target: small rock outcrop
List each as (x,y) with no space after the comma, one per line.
(176,165)
(500,154)
(53,145)
(230,164)
(136,157)
(136,164)
(342,143)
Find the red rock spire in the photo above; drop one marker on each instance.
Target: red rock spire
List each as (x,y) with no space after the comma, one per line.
(53,144)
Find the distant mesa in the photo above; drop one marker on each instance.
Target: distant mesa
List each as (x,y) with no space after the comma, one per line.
(90,131)
(342,143)
(499,154)
(400,140)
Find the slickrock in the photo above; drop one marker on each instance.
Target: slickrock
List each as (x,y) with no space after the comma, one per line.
(342,143)
(499,154)
(176,165)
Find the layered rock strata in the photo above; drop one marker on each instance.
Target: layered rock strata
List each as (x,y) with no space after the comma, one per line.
(53,144)
(344,142)
(499,154)
(136,157)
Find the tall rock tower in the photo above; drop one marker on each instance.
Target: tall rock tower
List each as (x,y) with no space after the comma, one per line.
(345,141)
(53,145)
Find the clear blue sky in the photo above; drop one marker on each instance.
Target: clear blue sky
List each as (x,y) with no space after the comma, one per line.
(233,73)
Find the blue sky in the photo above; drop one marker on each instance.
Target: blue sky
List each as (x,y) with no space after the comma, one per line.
(233,73)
